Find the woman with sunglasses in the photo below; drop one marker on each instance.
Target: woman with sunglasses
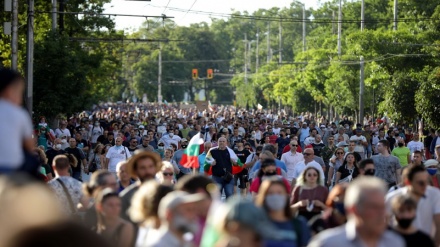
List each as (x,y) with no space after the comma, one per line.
(273,197)
(348,171)
(308,197)
(166,175)
(334,164)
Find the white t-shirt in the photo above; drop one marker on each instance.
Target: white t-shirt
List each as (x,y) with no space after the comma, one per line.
(415,146)
(301,166)
(115,155)
(66,132)
(358,139)
(167,140)
(95,132)
(16,126)
(427,207)
(276,131)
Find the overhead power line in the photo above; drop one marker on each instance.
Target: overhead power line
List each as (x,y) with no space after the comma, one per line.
(190,8)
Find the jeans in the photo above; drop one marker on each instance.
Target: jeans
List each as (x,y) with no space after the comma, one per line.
(222,185)
(77,175)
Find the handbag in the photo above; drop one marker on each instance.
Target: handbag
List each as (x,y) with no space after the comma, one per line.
(93,166)
(227,177)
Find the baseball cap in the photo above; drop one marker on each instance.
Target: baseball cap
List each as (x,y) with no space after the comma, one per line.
(141,127)
(430,162)
(225,130)
(245,212)
(176,198)
(183,140)
(322,126)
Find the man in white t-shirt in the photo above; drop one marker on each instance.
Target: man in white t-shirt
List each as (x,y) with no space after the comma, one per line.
(309,160)
(95,132)
(291,159)
(428,201)
(361,142)
(63,130)
(415,144)
(116,154)
(169,138)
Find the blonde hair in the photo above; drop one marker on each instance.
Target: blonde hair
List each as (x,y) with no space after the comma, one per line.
(165,165)
(302,178)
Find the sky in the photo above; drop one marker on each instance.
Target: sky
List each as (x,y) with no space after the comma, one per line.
(179,9)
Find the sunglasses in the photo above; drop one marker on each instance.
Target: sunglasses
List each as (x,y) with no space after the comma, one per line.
(307,154)
(339,153)
(294,145)
(312,175)
(169,174)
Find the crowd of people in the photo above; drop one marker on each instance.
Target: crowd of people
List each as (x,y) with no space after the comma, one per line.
(261,178)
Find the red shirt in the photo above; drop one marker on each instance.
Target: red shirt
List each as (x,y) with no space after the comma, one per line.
(255,186)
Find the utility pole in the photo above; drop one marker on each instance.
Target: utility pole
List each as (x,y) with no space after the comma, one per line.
(54,15)
(30,57)
(257,59)
(245,59)
(14,44)
(62,15)
(339,28)
(304,27)
(362,15)
(361,92)
(396,12)
(159,76)
(268,43)
(280,45)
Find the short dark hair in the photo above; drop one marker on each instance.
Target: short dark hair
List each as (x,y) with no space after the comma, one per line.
(413,170)
(270,148)
(267,162)
(363,163)
(403,202)
(385,143)
(8,77)
(418,152)
(193,183)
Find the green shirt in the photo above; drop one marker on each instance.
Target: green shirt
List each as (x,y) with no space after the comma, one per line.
(402,154)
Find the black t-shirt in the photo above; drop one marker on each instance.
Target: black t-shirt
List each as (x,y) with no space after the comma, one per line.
(50,154)
(392,142)
(222,160)
(345,172)
(79,155)
(293,131)
(242,155)
(317,148)
(417,239)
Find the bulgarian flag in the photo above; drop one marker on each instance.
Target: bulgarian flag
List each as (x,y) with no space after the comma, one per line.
(190,156)
(235,168)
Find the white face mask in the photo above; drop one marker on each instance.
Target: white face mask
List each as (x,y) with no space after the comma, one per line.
(171,135)
(58,146)
(64,141)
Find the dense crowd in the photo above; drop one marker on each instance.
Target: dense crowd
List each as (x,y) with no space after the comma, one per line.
(119,175)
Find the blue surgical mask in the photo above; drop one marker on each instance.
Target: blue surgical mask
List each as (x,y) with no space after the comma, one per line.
(432,171)
(275,202)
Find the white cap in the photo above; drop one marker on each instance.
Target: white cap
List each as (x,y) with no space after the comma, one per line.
(176,198)
(141,127)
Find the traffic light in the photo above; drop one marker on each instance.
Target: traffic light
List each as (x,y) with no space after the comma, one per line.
(195,74)
(209,74)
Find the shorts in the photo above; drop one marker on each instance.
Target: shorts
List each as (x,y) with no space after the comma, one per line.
(243,177)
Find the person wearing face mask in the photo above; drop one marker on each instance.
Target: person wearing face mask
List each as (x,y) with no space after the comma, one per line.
(64,142)
(177,157)
(179,222)
(161,149)
(404,208)
(268,169)
(51,153)
(402,153)
(170,139)
(273,197)
(432,168)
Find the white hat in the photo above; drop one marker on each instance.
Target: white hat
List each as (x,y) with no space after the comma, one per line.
(176,198)
(430,162)
(141,127)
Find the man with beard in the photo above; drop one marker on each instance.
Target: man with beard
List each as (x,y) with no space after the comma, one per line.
(143,166)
